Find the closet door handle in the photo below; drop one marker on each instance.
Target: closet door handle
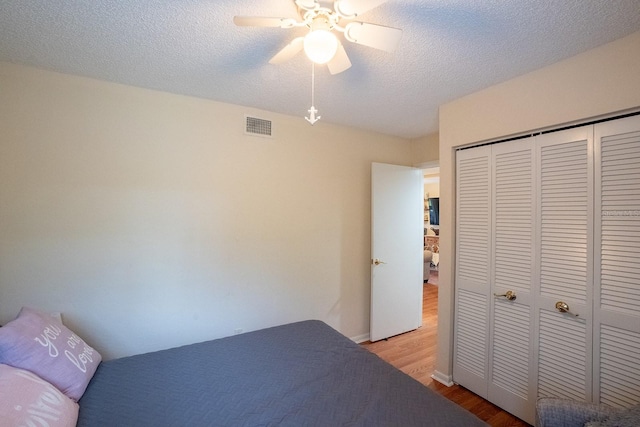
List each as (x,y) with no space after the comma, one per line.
(563,307)
(510,295)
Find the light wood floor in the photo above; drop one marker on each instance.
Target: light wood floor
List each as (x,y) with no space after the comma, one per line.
(414,353)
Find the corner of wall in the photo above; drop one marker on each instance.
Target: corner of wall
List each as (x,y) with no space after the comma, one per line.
(425,149)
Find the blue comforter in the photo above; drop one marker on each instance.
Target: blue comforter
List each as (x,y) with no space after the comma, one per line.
(300,374)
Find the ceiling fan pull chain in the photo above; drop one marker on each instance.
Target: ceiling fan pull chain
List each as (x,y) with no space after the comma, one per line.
(312,111)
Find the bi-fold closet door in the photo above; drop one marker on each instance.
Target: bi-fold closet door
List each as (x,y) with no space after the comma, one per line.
(616,329)
(527,287)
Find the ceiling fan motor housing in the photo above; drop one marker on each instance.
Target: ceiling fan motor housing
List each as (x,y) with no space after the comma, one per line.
(321,18)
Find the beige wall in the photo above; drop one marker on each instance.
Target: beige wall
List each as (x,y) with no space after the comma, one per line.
(150,220)
(596,83)
(425,149)
(431,189)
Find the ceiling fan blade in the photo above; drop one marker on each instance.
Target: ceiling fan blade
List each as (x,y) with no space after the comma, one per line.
(353,8)
(307,4)
(289,51)
(340,61)
(260,21)
(372,35)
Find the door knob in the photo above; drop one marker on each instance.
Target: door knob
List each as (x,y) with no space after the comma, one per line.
(510,295)
(376,261)
(563,307)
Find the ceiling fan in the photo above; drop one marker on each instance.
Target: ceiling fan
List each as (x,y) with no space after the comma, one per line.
(321,44)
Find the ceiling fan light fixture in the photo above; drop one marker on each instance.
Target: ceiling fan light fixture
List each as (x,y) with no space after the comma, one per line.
(321,43)
(320,46)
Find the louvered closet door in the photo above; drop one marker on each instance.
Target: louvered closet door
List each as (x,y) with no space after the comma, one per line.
(617,293)
(473,261)
(565,233)
(511,380)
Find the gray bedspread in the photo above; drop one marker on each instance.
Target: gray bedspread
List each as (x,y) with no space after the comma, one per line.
(300,374)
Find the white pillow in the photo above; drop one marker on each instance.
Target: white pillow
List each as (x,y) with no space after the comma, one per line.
(28,400)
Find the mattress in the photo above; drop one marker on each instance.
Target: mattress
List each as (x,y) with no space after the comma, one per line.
(300,374)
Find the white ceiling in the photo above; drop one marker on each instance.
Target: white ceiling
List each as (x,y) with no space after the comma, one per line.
(449,48)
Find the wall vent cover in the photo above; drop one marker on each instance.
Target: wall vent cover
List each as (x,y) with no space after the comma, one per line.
(258,127)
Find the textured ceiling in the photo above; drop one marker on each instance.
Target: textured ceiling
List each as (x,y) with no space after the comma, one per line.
(449,48)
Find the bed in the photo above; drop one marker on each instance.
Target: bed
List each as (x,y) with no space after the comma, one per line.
(299,374)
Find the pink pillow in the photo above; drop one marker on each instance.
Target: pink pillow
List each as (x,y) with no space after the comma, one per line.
(27,400)
(41,344)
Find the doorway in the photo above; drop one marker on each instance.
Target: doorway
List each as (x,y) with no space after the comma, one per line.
(431,173)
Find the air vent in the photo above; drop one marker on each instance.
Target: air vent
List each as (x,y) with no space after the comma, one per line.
(257,127)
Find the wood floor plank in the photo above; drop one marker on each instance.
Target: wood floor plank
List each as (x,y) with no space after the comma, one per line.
(414,354)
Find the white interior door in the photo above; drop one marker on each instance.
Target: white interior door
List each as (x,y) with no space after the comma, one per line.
(397,210)
(473,269)
(565,270)
(617,248)
(511,369)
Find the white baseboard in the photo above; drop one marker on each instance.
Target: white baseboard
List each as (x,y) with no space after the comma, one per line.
(442,378)
(360,338)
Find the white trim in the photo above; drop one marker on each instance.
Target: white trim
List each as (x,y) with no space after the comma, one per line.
(442,378)
(428,165)
(432,180)
(430,168)
(360,338)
